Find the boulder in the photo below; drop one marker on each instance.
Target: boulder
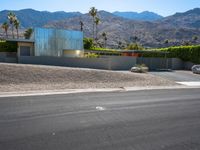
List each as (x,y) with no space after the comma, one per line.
(139,69)
(196,69)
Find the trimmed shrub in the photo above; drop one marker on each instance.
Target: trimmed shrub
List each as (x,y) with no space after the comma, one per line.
(91,55)
(186,53)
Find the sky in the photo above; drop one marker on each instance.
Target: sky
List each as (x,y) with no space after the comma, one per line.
(162,7)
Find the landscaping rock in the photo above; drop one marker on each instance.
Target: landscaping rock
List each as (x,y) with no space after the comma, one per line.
(139,69)
(196,69)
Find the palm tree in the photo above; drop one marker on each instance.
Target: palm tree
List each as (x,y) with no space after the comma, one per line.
(28,33)
(81,23)
(5,26)
(12,17)
(93,13)
(97,21)
(16,24)
(105,38)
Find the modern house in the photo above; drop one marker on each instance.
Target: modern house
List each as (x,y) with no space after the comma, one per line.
(51,42)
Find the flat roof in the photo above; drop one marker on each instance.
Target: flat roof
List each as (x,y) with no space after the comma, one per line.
(127,51)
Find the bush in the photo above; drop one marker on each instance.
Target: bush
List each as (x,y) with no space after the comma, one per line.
(88,43)
(134,46)
(8,46)
(91,55)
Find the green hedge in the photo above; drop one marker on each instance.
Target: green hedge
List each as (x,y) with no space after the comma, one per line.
(154,54)
(186,53)
(8,46)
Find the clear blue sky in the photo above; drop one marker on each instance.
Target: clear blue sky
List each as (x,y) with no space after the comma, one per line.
(162,7)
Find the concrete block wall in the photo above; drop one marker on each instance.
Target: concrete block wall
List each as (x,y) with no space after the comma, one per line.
(8,57)
(155,63)
(108,62)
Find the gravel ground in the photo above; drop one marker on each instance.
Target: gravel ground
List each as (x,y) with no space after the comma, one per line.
(17,77)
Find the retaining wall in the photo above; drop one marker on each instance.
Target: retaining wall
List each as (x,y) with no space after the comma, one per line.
(108,62)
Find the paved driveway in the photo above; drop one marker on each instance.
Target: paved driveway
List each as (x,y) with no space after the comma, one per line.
(182,77)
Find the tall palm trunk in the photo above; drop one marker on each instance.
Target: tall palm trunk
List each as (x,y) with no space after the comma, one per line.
(6,33)
(12,27)
(17,33)
(93,28)
(96,32)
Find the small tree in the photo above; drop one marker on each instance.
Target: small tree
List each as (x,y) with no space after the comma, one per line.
(105,39)
(119,44)
(28,33)
(81,24)
(195,38)
(166,41)
(5,26)
(133,39)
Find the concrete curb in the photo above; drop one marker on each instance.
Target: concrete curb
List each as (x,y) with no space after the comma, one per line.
(72,91)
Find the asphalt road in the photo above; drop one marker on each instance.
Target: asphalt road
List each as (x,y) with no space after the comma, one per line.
(180,76)
(141,120)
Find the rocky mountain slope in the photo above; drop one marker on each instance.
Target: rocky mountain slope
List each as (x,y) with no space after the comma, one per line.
(32,18)
(177,29)
(189,19)
(143,16)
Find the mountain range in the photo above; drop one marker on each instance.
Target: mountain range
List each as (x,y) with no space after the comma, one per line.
(143,16)
(34,18)
(147,28)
